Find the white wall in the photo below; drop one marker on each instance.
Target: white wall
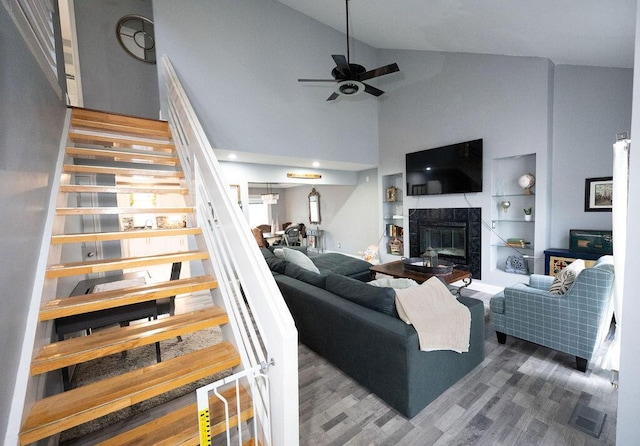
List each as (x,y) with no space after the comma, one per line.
(31,120)
(240,60)
(591,105)
(629,390)
(444,98)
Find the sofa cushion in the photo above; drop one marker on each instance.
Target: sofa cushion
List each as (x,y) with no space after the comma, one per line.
(566,277)
(296,272)
(337,263)
(380,299)
(300,259)
(275,264)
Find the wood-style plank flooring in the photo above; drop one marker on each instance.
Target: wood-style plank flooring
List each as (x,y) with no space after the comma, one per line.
(522,394)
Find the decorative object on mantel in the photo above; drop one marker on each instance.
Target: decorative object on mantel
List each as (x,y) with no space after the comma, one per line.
(440,268)
(527,181)
(505,205)
(392,194)
(598,193)
(527,213)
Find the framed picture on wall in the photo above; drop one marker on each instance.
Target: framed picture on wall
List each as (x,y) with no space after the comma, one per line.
(598,194)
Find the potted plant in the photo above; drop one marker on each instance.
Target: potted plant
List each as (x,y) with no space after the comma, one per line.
(527,213)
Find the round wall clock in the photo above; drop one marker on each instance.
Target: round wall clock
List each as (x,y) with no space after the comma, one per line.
(135,35)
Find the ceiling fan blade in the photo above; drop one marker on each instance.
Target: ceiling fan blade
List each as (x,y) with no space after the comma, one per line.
(373,90)
(333,96)
(342,64)
(380,71)
(316,80)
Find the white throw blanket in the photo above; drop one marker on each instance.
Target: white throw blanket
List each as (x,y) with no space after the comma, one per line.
(441,321)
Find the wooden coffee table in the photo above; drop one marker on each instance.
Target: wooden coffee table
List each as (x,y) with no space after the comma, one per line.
(396,269)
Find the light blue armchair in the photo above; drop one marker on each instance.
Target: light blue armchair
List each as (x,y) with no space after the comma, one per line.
(575,322)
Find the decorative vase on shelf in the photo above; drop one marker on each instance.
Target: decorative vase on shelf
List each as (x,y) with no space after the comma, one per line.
(527,214)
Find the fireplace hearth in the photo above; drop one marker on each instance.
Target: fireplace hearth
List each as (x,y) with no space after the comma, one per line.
(455,233)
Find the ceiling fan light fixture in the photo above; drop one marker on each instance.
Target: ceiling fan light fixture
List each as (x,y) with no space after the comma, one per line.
(349,88)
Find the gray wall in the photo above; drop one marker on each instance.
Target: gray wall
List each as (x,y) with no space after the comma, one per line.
(31,119)
(591,105)
(112,80)
(240,60)
(349,201)
(349,213)
(446,98)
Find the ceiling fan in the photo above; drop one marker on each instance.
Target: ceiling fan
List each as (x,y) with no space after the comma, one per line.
(349,77)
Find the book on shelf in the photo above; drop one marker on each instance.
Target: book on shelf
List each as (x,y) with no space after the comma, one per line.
(517,243)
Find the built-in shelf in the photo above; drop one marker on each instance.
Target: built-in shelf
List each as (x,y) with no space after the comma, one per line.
(509,225)
(528,248)
(392,215)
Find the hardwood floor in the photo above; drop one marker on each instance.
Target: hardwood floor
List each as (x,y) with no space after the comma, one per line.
(522,394)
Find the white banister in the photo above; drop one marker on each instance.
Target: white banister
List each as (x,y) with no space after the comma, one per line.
(262,326)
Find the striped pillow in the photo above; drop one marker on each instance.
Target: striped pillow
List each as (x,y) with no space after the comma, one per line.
(566,277)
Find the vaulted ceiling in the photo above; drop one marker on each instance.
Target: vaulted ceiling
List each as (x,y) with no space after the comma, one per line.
(575,32)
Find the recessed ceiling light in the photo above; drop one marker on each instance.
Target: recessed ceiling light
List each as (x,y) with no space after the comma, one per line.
(428,168)
(232,156)
(316,164)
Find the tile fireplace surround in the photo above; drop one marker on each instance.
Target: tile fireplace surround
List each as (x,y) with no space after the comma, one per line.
(455,232)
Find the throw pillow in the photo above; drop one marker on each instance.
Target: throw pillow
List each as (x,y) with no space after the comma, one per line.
(381,299)
(396,284)
(300,259)
(294,271)
(566,277)
(275,264)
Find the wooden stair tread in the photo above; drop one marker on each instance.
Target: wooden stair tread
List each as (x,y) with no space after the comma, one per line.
(96,266)
(123,210)
(107,342)
(78,168)
(62,411)
(143,156)
(84,303)
(152,189)
(122,235)
(98,118)
(114,140)
(181,427)
(121,125)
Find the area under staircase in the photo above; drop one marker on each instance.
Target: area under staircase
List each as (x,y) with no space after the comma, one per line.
(128,149)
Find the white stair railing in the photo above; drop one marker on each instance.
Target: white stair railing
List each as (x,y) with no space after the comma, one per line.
(261,324)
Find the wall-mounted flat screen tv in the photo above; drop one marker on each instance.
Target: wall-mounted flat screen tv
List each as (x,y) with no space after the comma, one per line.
(453,169)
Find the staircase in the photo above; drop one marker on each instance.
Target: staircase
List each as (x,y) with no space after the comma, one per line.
(127,149)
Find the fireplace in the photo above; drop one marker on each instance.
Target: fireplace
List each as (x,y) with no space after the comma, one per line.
(455,233)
